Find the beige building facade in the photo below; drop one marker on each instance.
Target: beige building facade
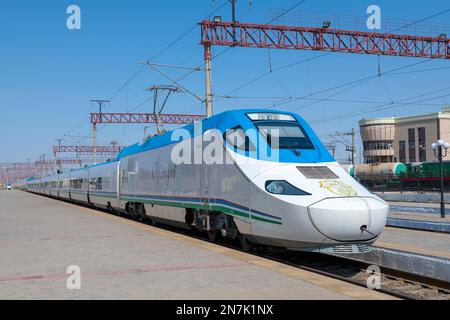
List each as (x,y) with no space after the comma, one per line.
(404,139)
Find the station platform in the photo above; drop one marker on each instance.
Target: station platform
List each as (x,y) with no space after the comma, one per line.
(413,196)
(415,241)
(123,259)
(419,215)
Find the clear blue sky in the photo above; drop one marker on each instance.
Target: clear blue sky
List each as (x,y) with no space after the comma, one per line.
(48,74)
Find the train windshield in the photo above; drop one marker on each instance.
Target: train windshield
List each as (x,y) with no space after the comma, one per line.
(284,135)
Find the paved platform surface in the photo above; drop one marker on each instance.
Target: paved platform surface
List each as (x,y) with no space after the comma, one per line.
(123,259)
(418,211)
(411,196)
(422,242)
(418,216)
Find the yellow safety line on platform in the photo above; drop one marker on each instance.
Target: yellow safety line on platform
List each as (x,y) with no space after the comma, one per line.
(335,285)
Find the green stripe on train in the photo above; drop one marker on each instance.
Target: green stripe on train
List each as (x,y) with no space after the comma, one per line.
(203,207)
(190,206)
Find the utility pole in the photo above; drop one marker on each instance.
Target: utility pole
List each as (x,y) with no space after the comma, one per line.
(339,137)
(233,19)
(208,89)
(157,111)
(351,148)
(233,10)
(207,57)
(59,146)
(42,156)
(100,103)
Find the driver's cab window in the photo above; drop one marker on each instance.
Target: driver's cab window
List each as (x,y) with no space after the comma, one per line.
(238,140)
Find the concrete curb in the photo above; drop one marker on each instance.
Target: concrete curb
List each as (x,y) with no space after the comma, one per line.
(419,225)
(417,209)
(423,265)
(415,197)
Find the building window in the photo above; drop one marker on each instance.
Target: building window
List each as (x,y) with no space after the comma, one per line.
(402,151)
(378,145)
(412,144)
(422,145)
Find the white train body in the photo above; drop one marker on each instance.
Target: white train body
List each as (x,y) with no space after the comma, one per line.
(302,201)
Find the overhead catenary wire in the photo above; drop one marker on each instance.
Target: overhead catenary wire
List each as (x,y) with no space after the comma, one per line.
(358,101)
(386,106)
(321,55)
(231,47)
(158,54)
(328,53)
(351,83)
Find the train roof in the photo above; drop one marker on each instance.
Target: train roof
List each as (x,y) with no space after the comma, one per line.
(222,122)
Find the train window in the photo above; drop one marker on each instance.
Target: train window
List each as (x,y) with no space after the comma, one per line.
(77,184)
(99,184)
(237,138)
(290,135)
(285,188)
(93,184)
(132,166)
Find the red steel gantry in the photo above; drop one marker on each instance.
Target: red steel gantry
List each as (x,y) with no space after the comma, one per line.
(251,35)
(324,39)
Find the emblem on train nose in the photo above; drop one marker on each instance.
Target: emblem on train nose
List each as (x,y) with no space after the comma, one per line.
(338,187)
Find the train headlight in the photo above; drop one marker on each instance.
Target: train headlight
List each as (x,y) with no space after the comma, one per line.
(284,187)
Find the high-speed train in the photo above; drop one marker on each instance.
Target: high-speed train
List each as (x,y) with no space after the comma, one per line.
(259,176)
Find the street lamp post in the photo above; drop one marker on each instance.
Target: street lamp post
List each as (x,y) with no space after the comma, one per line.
(440,148)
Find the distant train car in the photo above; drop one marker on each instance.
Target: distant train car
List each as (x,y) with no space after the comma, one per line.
(349,169)
(300,200)
(426,175)
(388,174)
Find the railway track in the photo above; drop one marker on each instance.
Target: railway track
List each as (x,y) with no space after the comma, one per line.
(397,283)
(403,285)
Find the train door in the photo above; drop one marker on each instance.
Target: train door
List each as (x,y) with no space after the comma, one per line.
(88,185)
(118,184)
(124,185)
(205,175)
(70,186)
(132,176)
(58,179)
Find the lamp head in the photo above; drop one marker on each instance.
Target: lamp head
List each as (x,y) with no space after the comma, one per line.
(446,145)
(434,146)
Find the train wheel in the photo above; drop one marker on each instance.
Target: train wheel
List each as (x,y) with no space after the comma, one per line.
(246,245)
(212,235)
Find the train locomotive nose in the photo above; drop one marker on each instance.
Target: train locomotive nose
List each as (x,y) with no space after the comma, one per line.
(349,219)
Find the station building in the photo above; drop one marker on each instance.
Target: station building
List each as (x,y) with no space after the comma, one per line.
(404,139)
